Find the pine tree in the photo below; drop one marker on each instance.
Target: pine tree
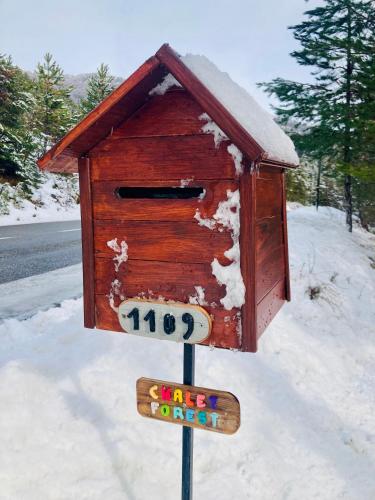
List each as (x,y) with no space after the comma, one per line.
(99,86)
(54,113)
(336,111)
(15,100)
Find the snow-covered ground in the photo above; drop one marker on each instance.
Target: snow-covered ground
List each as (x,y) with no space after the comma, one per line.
(69,428)
(54,200)
(25,297)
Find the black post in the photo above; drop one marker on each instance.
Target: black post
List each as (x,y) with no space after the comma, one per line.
(187,432)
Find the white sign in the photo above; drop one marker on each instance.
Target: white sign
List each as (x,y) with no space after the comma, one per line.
(165,320)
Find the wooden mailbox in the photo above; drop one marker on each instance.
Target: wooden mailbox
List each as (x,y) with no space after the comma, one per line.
(182,199)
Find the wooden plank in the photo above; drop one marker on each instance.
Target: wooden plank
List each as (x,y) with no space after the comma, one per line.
(268,235)
(225,324)
(269,195)
(170,280)
(266,172)
(270,269)
(248,256)
(108,206)
(220,115)
(109,113)
(163,241)
(176,157)
(87,243)
(269,306)
(174,113)
(192,406)
(285,234)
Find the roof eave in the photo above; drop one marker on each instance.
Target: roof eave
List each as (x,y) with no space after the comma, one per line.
(66,146)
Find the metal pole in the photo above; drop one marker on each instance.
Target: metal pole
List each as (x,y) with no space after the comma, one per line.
(187,432)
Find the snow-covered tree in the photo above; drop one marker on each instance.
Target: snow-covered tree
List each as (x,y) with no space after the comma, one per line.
(336,111)
(15,100)
(53,113)
(99,86)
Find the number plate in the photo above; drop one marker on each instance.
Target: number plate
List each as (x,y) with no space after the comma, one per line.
(165,321)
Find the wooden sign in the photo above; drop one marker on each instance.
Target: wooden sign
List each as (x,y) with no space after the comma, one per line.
(165,320)
(187,405)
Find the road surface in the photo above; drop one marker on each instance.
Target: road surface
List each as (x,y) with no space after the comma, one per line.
(29,249)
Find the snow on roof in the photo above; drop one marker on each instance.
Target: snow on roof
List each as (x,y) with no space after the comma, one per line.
(243,107)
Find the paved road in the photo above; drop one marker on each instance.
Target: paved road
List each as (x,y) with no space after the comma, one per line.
(29,249)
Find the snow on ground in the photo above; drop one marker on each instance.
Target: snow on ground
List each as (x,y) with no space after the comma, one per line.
(24,297)
(54,200)
(70,430)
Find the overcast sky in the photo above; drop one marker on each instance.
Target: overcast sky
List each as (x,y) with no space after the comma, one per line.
(247,38)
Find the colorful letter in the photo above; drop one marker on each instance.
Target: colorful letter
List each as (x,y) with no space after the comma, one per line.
(214,418)
(202,417)
(177,413)
(200,400)
(165,393)
(213,401)
(154,407)
(165,410)
(152,392)
(177,395)
(190,415)
(188,401)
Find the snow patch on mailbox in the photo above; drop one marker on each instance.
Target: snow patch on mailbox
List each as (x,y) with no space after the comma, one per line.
(210,127)
(121,251)
(227,216)
(168,82)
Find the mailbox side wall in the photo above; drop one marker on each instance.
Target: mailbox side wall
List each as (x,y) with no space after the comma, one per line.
(169,252)
(272,267)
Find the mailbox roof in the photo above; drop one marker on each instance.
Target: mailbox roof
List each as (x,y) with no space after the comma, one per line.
(250,127)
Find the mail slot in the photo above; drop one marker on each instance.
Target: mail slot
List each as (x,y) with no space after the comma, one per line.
(183,211)
(171,193)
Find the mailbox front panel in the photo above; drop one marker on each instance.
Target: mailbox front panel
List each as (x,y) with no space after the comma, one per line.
(156,184)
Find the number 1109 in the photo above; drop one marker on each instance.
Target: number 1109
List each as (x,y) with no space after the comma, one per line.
(169,322)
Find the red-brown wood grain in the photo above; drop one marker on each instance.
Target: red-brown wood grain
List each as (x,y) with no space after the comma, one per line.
(171,280)
(107,205)
(269,195)
(167,157)
(270,259)
(163,241)
(268,235)
(285,235)
(270,268)
(269,306)
(248,258)
(87,243)
(174,113)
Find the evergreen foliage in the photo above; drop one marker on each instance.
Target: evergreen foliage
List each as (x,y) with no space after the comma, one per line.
(15,101)
(99,86)
(334,115)
(53,114)
(34,114)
